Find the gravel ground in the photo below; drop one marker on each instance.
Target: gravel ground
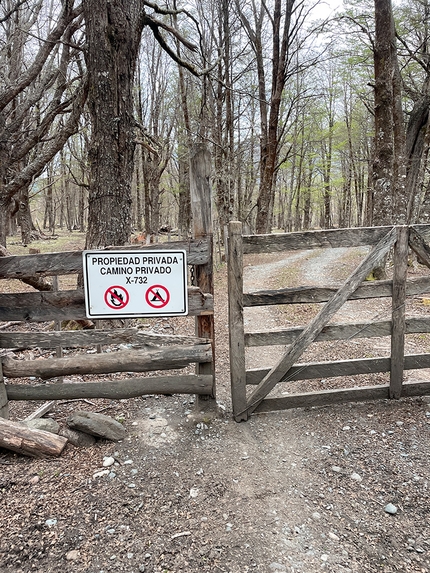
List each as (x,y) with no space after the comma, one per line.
(342,488)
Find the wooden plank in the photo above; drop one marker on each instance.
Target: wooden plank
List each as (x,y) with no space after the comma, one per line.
(309,294)
(325,398)
(398,311)
(4,404)
(329,397)
(339,331)
(70,305)
(41,411)
(67,263)
(320,370)
(235,319)
(326,238)
(28,441)
(112,389)
(78,338)
(201,207)
(164,358)
(314,328)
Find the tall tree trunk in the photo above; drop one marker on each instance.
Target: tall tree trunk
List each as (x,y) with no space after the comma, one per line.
(113,38)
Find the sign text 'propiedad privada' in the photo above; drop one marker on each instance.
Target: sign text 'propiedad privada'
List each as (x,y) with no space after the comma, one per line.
(128,284)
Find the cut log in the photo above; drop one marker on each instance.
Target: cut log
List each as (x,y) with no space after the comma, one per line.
(29,442)
(112,389)
(163,358)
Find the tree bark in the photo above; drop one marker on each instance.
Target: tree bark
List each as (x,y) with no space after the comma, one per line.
(113,38)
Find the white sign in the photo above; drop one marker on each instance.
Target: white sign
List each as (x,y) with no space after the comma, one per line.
(127,284)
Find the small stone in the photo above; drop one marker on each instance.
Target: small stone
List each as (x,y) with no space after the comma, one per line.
(77,438)
(97,425)
(100,474)
(316,516)
(333,536)
(324,557)
(72,555)
(194,492)
(336,469)
(399,423)
(390,508)
(142,568)
(345,428)
(277,567)
(34,480)
(51,522)
(45,424)
(108,461)
(128,462)
(356,477)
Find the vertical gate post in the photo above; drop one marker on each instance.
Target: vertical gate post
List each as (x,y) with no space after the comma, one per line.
(235,318)
(201,206)
(398,312)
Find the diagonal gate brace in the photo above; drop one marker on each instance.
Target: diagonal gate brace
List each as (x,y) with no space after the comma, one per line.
(310,333)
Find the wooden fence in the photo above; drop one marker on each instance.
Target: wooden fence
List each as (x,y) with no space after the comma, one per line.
(262,381)
(147,352)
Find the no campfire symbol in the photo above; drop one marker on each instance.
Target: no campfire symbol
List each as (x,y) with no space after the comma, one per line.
(116,297)
(157,296)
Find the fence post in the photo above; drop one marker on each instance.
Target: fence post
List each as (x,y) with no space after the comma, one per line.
(201,206)
(235,318)
(398,312)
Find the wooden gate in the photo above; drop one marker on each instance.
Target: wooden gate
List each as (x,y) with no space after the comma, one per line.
(382,239)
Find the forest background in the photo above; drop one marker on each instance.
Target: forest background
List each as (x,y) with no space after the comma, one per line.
(313,119)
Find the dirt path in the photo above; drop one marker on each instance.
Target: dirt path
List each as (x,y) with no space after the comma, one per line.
(297,491)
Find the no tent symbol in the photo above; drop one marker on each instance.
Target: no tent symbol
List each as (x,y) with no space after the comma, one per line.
(157,296)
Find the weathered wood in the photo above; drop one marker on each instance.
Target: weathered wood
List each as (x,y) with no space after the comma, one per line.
(163,358)
(307,294)
(26,441)
(314,328)
(324,398)
(70,305)
(66,263)
(112,389)
(329,397)
(341,331)
(398,312)
(4,405)
(235,319)
(41,411)
(315,370)
(327,238)
(76,338)
(201,207)
(419,246)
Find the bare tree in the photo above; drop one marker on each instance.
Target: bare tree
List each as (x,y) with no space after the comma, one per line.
(40,99)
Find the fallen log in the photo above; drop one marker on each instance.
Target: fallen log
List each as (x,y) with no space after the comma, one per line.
(29,442)
(163,358)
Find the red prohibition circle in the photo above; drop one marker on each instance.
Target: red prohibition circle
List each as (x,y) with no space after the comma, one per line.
(157,296)
(116,297)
